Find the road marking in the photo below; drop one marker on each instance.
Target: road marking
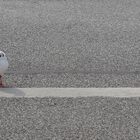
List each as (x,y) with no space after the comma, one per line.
(69,92)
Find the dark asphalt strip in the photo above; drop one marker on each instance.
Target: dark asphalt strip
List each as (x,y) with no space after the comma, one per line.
(72,80)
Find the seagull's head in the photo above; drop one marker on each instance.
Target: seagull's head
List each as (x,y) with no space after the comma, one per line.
(2,56)
(3,63)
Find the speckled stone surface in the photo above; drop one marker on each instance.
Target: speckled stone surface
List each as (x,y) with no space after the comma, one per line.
(78,36)
(93,118)
(70,44)
(72,80)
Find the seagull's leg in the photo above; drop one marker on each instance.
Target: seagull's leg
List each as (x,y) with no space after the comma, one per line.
(1,84)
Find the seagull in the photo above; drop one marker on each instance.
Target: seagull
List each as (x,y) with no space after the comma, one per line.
(3,66)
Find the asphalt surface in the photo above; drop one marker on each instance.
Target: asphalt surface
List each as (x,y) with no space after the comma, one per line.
(72,80)
(43,39)
(93,118)
(70,44)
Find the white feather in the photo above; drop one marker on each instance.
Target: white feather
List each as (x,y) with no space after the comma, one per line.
(3,63)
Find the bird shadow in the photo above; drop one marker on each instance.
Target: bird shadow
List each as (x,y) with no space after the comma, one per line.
(13,91)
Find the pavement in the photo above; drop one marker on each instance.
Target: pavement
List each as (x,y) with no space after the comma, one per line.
(80,118)
(71,44)
(77,80)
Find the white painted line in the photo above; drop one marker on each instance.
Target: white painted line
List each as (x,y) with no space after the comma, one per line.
(69,92)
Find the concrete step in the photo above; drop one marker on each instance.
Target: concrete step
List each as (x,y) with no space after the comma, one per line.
(69,92)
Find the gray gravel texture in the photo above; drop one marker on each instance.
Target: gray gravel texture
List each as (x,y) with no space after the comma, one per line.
(71,44)
(93,118)
(52,37)
(72,80)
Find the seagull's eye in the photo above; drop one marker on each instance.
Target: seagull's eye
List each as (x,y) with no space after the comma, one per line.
(0,55)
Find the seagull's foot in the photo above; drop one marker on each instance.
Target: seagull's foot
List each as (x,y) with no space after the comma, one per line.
(2,86)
